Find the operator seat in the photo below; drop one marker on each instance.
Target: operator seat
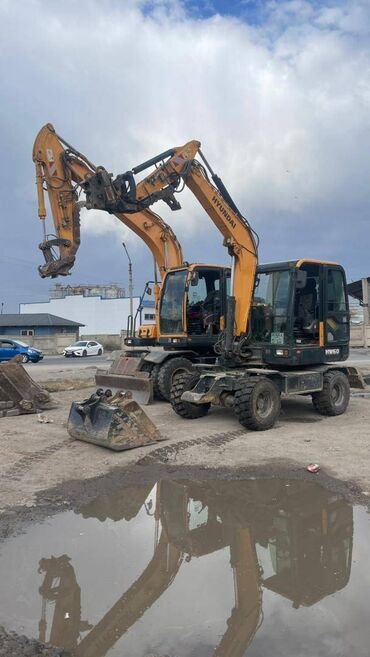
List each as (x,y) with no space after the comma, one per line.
(306,308)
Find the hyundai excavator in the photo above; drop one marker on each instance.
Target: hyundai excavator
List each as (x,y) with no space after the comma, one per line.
(280,328)
(294,542)
(284,327)
(63,172)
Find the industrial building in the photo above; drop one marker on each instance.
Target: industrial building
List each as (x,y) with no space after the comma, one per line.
(101,309)
(37,324)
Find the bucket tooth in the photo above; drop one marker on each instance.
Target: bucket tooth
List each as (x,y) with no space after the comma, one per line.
(114,421)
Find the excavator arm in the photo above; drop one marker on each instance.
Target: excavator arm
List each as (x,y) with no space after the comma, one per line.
(181,168)
(64,172)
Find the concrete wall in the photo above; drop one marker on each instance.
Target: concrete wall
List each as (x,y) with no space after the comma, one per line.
(49,345)
(109,342)
(100,316)
(360,336)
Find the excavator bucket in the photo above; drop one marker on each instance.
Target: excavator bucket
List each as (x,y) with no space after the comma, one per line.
(126,373)
(113,421)
(20,392)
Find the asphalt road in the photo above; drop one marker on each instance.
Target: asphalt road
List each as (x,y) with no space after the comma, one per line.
(77,361)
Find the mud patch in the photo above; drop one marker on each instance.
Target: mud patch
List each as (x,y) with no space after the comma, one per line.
(68,384)
(169,452)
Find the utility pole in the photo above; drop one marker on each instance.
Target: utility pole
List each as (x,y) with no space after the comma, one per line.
(2,307)
(130,282)
(365,301)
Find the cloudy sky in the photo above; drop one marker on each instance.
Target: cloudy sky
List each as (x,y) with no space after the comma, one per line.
(277,92)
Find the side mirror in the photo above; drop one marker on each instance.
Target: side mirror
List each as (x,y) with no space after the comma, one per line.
(301,279)
(194,278)
(149,290)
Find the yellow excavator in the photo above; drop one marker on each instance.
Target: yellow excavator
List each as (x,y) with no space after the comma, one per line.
(277,329)
(290,540)
(284,326)
(64,172)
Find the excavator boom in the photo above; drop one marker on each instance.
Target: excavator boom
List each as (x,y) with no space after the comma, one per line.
(163,183)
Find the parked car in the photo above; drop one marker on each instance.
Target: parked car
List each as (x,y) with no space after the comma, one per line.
(11,348)
(84,348)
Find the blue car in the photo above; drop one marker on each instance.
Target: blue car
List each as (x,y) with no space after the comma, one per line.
(11,348)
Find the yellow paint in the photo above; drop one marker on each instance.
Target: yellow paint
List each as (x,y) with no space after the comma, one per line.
(322,334)
(313,261)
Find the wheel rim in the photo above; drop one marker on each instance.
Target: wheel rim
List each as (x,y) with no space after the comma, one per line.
(264,404)
(337,394)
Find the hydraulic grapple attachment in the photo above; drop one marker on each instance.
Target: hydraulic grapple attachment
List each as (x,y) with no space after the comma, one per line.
(113,421)
(19,390)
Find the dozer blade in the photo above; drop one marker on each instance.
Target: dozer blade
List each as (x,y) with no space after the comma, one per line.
(113,421)
(18,387)
(125,373)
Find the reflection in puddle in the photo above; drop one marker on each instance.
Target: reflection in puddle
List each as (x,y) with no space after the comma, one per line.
(178,568)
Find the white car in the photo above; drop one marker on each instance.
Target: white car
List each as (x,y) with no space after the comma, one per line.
(84,348)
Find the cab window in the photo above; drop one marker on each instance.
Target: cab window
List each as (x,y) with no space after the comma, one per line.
(203,309)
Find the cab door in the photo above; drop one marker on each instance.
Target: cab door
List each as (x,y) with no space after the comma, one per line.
(336,309)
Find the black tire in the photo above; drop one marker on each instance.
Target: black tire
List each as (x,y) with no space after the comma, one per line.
(25,358)
(185,409)
(257,404)
(84,353)
(334,397)
(168,371)
(153,370)
(100,352)
(155,378)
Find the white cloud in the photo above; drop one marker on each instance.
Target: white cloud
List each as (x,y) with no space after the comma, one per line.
(281,108)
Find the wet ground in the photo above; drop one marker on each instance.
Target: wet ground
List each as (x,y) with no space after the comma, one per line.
(195,568)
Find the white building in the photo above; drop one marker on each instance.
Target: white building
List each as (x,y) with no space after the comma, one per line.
(100,316)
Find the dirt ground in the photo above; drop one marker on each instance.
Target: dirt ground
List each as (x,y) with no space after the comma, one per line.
(43,471)
(35,458)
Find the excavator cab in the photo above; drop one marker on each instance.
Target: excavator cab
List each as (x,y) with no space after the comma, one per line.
(300,313)
(193,306)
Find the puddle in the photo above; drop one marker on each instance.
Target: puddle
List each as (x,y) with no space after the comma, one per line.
(195,569)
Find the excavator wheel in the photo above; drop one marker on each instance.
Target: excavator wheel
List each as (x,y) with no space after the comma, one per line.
(168,372)
(155,378)
(185,409)
(257,404)
(153,372)
(334,397)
